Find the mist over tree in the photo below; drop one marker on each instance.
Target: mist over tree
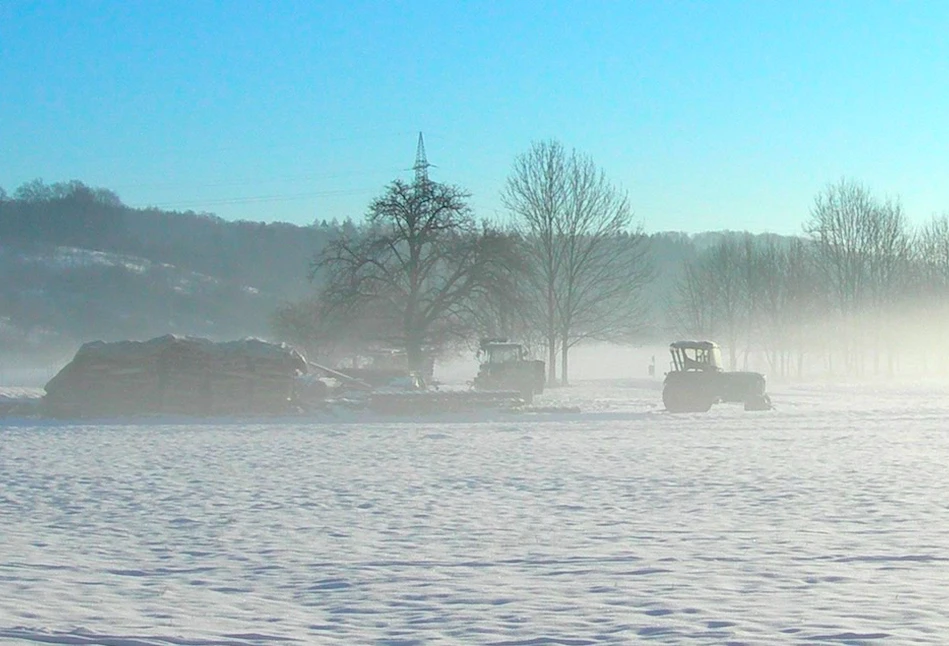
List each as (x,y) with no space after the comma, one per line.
(785,307)
(497,310)
(536,193)
(329,335)
(862,248)
(932,256)
(587,263)
(416,270)
(860,294)
(843,298)
(726,286)
(754,294)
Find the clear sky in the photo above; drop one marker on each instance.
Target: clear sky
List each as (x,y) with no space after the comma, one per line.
(712,115)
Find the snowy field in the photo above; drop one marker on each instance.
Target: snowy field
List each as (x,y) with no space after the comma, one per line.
(823,521)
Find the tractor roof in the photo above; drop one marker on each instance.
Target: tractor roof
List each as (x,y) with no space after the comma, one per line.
(693,345)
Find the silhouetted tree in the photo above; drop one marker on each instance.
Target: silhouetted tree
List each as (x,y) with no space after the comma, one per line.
(417,267)
(587,261)
(862,248)
(536,193)
(713,296)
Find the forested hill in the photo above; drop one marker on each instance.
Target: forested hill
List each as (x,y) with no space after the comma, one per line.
(79,265)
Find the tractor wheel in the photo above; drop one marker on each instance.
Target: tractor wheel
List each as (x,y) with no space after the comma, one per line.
(759,402)
(702,403)
(679,398)
(670,400)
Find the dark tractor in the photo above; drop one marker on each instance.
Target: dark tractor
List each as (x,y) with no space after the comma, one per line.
(505,366)
(697,381)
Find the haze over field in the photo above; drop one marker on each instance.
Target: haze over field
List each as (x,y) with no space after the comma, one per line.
(734,116)
(600,179)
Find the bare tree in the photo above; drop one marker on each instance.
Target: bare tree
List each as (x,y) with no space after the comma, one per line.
(587,261)
(499,310)
(862,248)
(536,193)
(420,263)
(692,310)
(755,295)
(729,264)
(713,296)
(931,256)
(890,252)
(785,300)
(839,224)
(605,268)
(890,280)
(932,251)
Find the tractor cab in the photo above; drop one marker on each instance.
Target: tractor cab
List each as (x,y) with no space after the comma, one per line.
(696,355)
(495,351)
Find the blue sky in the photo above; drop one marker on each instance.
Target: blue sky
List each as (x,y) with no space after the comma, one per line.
(712,115)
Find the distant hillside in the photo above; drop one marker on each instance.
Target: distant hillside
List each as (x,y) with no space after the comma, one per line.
(79,265)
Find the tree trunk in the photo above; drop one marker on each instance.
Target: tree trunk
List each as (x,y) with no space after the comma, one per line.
(552,360)
(413,351)
(413,355)
(564,349)
(551,338)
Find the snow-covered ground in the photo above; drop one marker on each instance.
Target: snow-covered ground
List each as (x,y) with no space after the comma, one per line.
(823,521)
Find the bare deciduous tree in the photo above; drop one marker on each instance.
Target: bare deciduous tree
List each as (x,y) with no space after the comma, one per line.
(417,268)
(862,247)
(602,296)
(931,260)
(785,301)
(587,261)
(839,225)
(499,310)
(536,193)
(713,296)
(932,265)
(693,311)
(932,246)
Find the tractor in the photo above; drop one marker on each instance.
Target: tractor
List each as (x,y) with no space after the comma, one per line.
(505,366)
(697,381)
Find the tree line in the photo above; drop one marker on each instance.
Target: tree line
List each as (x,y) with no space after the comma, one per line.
(859,292)
(424,275)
